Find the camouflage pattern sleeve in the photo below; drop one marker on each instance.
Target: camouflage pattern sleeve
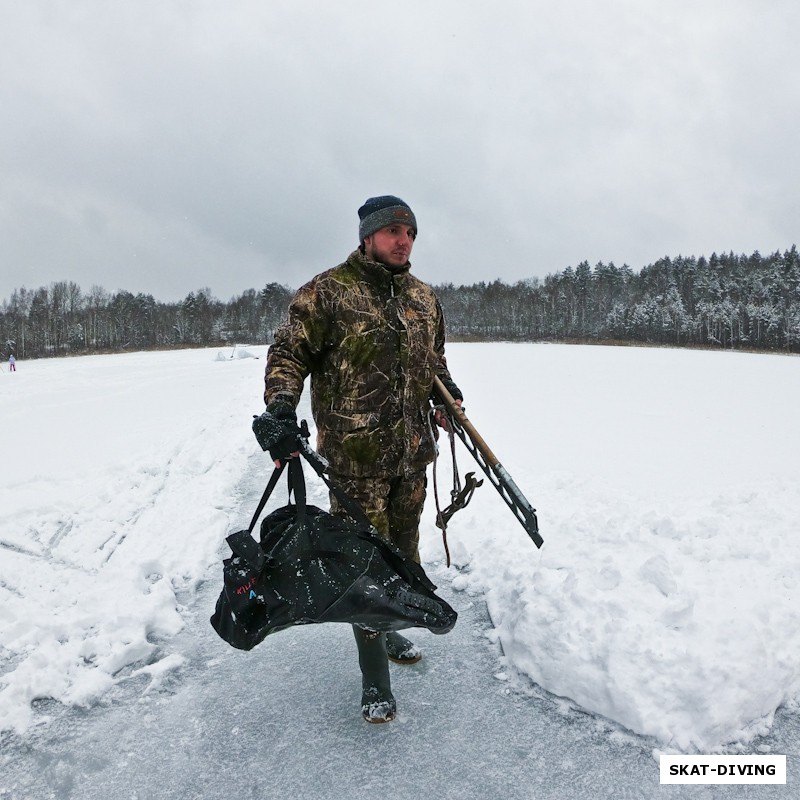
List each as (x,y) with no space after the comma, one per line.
(297,348)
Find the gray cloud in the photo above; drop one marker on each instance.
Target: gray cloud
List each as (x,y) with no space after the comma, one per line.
(161,147)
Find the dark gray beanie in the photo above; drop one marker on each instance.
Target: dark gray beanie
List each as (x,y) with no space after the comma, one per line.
(378,212)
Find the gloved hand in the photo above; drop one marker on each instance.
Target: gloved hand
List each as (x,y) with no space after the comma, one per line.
(276,430)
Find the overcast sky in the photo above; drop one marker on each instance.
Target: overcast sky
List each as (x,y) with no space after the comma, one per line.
(163,146)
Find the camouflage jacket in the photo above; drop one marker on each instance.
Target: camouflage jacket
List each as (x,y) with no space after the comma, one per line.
(372,342)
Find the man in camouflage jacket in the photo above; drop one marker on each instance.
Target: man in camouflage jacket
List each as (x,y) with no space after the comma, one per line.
(372,337)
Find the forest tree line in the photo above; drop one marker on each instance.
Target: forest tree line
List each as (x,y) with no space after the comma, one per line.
(726,301)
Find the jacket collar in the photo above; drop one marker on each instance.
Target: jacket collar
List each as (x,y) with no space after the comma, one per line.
(375,271)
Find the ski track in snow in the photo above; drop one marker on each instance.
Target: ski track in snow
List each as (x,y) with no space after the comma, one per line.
(90,592)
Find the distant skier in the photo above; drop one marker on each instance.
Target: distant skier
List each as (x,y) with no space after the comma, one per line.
(12,363)
(371,336)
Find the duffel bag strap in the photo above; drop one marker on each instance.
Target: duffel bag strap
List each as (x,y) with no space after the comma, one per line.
(297,487)
(273,481)
(320,466)
(242,543)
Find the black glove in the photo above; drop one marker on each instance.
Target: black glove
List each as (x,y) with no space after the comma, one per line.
(277,432)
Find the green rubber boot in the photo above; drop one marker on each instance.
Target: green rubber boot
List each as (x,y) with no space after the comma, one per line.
(377,701)
(401,650)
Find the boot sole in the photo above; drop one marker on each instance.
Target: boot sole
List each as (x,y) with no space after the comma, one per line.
(378,720)
(412,660)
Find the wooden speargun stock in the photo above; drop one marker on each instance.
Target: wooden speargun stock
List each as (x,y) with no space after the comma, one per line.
(490,464)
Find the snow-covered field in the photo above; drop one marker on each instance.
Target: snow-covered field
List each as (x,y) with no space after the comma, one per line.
(665,596)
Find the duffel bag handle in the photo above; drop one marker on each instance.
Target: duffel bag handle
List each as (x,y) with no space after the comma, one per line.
(297,486)
(273,482)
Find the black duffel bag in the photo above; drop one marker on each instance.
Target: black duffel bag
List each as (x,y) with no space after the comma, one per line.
(312,566)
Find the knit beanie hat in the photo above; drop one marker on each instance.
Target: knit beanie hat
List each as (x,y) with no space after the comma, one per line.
(378,212)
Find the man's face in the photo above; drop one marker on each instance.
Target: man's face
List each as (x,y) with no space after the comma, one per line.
(391,245)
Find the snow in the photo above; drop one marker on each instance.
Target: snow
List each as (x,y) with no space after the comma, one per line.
(664,597)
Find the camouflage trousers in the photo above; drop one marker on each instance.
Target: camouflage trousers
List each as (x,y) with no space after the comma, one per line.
(393,505)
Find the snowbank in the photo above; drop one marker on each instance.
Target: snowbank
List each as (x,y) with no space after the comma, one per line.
(666,594)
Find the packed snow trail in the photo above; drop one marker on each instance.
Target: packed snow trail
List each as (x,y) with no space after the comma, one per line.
(283,722)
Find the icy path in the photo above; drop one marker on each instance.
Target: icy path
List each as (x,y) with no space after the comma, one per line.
(282,722)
